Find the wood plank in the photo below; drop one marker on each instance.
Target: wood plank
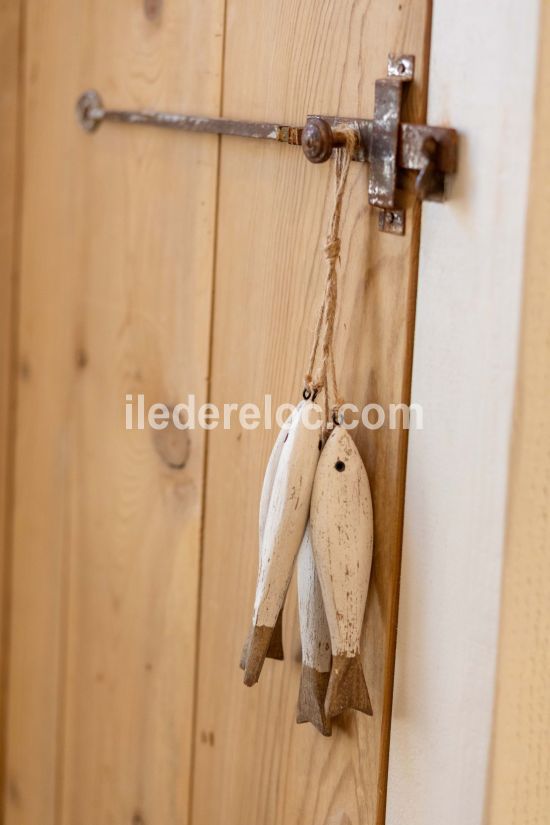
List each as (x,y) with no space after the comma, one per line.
(253,763)
(519,790)
(465,351)
(10,59)
(117,255)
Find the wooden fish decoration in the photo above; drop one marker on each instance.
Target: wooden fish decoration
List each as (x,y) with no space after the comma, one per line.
(316,645)
(275,649)
(342,534)
(287,515)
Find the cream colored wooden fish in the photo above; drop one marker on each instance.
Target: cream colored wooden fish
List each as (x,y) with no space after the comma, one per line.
(342,533)
(316,646)
(286,520)
(275,649)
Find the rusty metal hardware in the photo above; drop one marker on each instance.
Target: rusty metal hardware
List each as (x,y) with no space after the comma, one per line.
(387,144)
(392,220)
(91,113)
(319,139)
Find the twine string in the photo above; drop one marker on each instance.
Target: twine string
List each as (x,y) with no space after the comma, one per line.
(322,348)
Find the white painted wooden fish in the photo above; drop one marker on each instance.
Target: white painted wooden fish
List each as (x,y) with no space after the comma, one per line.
(316,646)
(275,649)
(286,520)
(342,534)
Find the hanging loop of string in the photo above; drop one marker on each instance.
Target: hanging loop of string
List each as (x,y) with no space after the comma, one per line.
(322,375)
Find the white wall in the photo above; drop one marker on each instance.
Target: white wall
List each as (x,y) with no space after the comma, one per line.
(481,82)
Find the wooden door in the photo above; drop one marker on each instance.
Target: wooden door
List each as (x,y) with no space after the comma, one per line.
(167,264)
(253,763)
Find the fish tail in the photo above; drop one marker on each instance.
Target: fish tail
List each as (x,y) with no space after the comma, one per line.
(347,687)
(260,640)
(275,649)
(311,700)
(244,651)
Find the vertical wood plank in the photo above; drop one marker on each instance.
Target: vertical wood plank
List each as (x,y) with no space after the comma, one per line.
(519,786)
(465,351)
(117,255)
(10,59)
(253,763)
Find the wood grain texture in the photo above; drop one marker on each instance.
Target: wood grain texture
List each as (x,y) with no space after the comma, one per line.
(285,525)
(342,533)
(315,641)
(10,169)
(287,513)
(519,780)
(314,630)
(252,763)
(116,278)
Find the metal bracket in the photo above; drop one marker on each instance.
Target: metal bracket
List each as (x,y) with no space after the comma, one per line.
(388,96)
(392,221)
(386,143)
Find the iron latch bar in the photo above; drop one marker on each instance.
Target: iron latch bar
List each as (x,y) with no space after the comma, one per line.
(384,142)
(91,113)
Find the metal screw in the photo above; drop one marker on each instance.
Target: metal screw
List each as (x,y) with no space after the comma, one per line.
(401,68)
(89,110)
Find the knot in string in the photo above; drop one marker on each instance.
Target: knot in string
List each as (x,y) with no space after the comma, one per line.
(324,330)
(332,249)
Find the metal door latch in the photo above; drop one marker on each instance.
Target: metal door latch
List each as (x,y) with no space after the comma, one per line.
(389,146)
